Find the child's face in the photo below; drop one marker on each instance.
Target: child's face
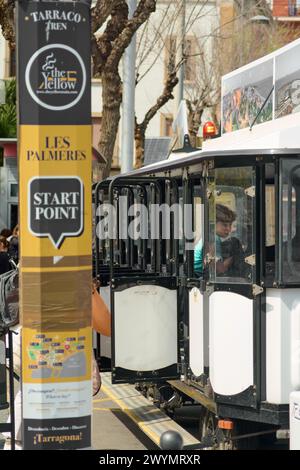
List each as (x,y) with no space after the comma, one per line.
(223,229)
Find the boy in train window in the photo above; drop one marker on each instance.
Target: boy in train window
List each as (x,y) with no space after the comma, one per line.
(229,255)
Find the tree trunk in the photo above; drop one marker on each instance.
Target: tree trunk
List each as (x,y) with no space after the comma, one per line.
(193,138)
(139,138)
(194,119)
(112,99)
(111,46)
(7,22)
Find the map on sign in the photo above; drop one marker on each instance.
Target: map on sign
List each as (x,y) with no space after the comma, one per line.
(56,356)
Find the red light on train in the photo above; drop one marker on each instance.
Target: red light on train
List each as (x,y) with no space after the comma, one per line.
(209,130)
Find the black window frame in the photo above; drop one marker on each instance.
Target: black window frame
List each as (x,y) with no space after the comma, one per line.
(220,284)
(281,279)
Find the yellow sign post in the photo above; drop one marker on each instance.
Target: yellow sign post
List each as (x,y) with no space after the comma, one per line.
(55,222)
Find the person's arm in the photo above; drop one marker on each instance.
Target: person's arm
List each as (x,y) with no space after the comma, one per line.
(219,256)
(198,259)
(101,318)
(222,265)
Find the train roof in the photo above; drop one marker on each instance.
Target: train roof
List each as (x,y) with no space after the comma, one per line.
(278,137)
(199,156)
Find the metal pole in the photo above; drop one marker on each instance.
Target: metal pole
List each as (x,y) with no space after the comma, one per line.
(127,144)
(182,52)
(11,390)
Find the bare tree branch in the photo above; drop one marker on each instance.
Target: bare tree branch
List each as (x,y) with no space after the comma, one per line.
(140,128)
(102,45)
(111,46)
(100,12)
(142,13)
(158,36)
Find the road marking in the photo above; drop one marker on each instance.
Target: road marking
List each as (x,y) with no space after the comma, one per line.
(108,409)
(133,416)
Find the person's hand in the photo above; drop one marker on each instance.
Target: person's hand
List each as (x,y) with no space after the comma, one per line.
(95,285)
(223,266)
(227,263)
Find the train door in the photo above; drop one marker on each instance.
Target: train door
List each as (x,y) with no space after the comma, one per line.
(144,298)
(197,351)
(123,249)
(232,276)
(282,296)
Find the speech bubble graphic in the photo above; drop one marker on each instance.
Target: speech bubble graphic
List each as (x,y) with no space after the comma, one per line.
(55,207)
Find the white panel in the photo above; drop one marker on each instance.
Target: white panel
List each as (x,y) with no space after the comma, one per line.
(206,329)
(57,400)
(295,342)
(145,328)
(105,341)
(295,421)
(230,342)
(282,344)
(196,331)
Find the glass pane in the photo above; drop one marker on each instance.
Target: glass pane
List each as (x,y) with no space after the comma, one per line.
(198,208)
(14,190)
(290,213)
(181,234)
(270,215)
(231,211)
(270,233)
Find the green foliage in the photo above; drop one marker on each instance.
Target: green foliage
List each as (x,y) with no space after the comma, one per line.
(11,91)
(8,111)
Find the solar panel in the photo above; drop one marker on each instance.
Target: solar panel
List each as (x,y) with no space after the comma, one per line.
(156,149)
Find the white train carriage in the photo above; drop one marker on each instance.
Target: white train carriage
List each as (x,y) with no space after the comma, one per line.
(227,334)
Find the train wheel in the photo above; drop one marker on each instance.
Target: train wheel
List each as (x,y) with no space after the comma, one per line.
(222,439)
(208,429)
(226,440)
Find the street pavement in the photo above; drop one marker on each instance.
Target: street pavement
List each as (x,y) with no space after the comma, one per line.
(111,427)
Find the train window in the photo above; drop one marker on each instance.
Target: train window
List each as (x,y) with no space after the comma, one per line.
(270,229)
(270,215)
(290,220)
(231,211)
(269,268)
(181,235)
(198,229)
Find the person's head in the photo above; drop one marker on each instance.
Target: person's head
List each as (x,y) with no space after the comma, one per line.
(224,220)
(15,232)
(5,232)
(4,245)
